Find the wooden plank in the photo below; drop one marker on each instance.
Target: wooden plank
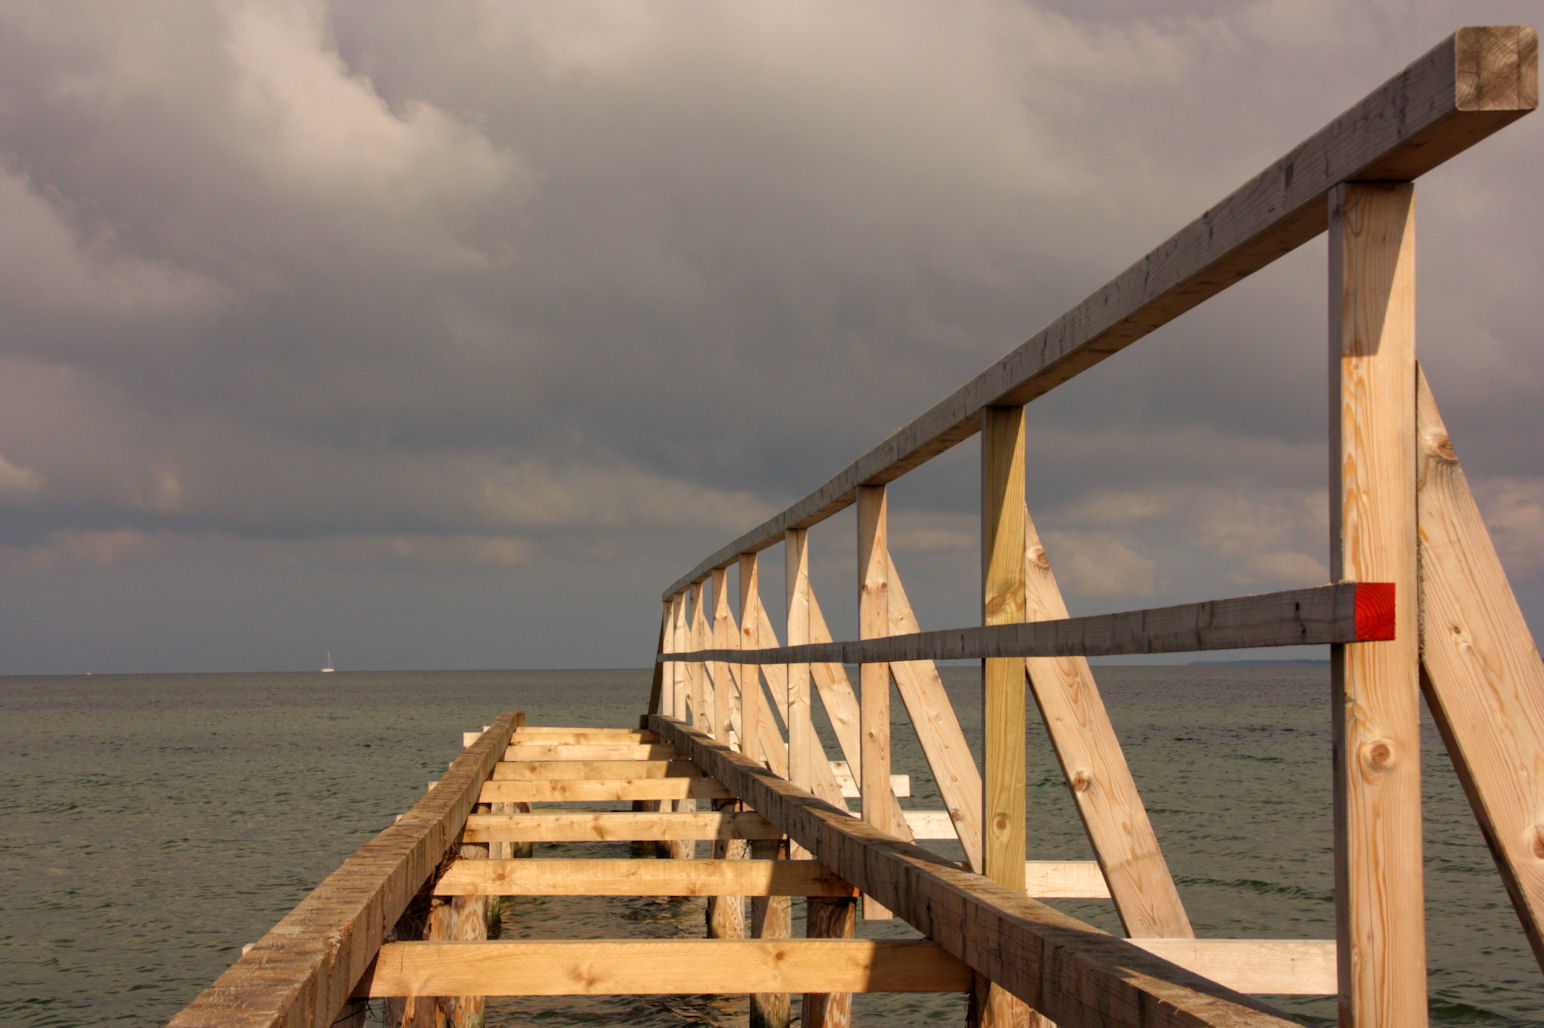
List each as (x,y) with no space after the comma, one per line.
(569,770)
(682,637)
(842,708)
(1325,614)
(1069,970)
(875,794)
(588,751)
(603,789)
(628,877)
(771,919)
(702,685)
(651,967)
(1095,768)
(1471,84)
(581,737)
(801,725)
(1380,903)
(930,825)
(659,685)
(1483,679)
(726,636)
(938,730)
(304,970)
(1065,879)
(752,706)
(1002,682)
(899,784)
(618,826)
(834,918)
(1276,967)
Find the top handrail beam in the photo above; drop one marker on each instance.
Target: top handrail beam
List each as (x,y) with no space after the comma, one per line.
(1471,84)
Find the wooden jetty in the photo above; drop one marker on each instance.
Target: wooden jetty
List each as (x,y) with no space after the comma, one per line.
(727,753)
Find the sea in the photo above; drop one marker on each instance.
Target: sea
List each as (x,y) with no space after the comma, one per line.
(155,823)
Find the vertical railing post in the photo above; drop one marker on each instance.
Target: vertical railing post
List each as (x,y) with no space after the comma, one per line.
(1380,903)
(699,669)
(752,707)
(664,671)
(681,687)
(801,725)
(1003,679)
(874,677)
(725,636)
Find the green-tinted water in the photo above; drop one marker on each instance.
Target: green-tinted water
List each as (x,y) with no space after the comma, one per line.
(156,823)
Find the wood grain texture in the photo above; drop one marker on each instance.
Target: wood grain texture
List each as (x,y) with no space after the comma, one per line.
(801,724)
(595,876)
(571,770)
(1070,970)
(1274,967)
(938,729)
(771,919)
(1380,897)
(645,967)
(619,826)
(752,704)
(726,637)
(1293,617)
(1095,768)
(589,751)
(879,805)
(1470,85)
(1482,676)
(303,971)
(1003,813)
(602,789)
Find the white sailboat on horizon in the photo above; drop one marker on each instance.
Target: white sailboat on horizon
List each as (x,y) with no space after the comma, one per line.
(328,666)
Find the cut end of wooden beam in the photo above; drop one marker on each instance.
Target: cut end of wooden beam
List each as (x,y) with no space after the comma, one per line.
(1374,611)
(1497,67)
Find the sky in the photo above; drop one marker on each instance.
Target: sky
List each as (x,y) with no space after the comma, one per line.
(449,336)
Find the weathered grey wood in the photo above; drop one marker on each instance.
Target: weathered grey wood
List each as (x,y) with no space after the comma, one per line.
(1071,971)
(1468,86)
(303,971)
(1347,612)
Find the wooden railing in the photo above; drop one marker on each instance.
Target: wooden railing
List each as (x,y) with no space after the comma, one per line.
(1398,499)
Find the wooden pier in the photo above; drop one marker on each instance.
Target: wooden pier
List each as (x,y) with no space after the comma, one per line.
(727,752)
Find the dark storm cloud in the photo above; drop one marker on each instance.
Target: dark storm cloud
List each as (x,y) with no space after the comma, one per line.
(582,290)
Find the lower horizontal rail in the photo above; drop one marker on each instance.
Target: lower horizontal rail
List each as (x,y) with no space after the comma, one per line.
(639,878)
(1343,613)
(603,789)
(622,826)
(599,967)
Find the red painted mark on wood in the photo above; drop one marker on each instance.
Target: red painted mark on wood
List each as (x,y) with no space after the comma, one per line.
(1374,611)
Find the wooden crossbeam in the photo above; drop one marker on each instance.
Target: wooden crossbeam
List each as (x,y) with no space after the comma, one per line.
(600,877)
(899,784)
(1068,970)
(587,751)
(554,735)
(1346,612)
(1065,879)
(602,789)
(1470,85)
(561,770)
(622,826)
(1481,672)
(1271,967)
(601,967)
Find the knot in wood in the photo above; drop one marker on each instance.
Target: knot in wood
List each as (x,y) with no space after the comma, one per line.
(1000,824)
(1081,780)
(1378,754)
(1538,841)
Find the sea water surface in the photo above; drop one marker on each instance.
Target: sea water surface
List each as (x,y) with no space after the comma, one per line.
(154,823)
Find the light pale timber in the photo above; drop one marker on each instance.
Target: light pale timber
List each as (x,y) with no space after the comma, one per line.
(1380,921)
(1003,683)
(1099,980)
(1103,790)
(601,789)
(621,826)
(602,967)
(876,797)
(1482,676)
